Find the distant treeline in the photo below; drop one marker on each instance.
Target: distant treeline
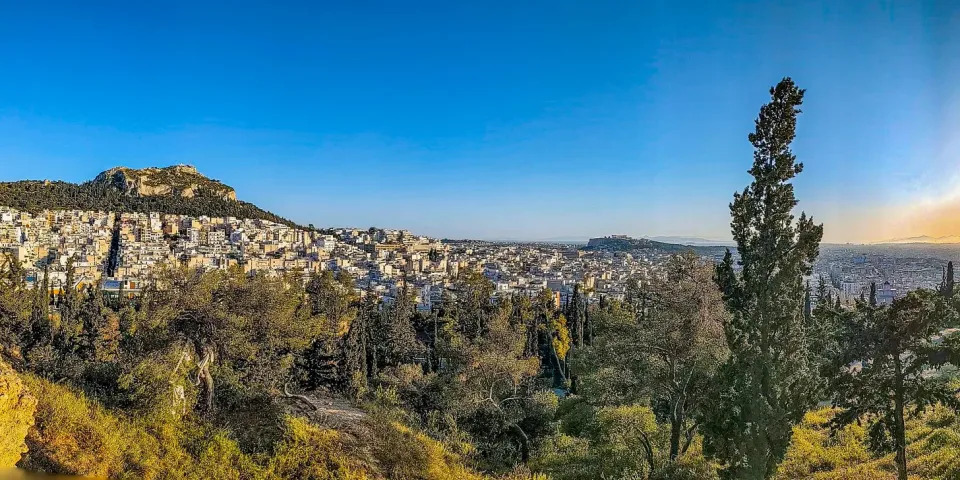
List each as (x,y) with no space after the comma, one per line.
(36,196)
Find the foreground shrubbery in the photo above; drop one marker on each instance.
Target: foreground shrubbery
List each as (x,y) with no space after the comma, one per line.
(623,442)
(17,406)
(193,378)
(610,443)
(74,435)
(933,452)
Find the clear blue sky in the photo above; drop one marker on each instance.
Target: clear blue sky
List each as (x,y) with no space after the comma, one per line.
(493,119)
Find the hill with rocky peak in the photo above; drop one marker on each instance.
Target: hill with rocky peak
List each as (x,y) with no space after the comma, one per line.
(177,189)
(177,180)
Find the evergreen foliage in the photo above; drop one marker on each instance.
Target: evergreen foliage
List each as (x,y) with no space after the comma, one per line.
(768,381)
(887,367)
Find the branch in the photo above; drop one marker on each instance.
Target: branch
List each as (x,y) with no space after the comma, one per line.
(303,398)
(689,437)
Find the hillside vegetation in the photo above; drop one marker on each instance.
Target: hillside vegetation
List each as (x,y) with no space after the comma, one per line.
(75,435)
(17,407)
(635,245)
(820,454)
(192,381)
(126,190)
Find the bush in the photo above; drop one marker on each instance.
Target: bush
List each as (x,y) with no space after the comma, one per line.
(74,435)
(312,453)
(16,416)
(933,450)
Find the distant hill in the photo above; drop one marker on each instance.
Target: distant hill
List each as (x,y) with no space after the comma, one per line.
(949,239)
(178,189)
(695,241)
(627,244)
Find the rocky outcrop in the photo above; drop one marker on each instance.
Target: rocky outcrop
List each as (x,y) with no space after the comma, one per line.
(178,180)
(17,408)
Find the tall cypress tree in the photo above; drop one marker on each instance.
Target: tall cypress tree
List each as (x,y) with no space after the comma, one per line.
(574,314)
(769,381)
(725,277)
(40,328)
(946,287)
(949,286)
(70,301)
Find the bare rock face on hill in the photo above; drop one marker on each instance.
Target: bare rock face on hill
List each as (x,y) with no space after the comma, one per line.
(178,180)
(17,407)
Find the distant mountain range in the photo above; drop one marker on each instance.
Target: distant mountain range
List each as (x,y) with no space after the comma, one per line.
(949,239)
(178,189)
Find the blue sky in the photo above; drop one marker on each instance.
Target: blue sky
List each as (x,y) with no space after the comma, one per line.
(526,120)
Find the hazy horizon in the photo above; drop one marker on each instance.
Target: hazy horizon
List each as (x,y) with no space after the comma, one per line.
(505,121)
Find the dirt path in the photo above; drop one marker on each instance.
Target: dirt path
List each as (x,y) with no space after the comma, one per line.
(327,410)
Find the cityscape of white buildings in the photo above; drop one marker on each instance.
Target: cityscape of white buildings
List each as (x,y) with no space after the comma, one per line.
(112,249)
(120,250)
(849,270)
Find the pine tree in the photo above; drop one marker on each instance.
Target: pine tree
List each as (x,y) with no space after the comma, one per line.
(395,336)
(14,272)
(899,350)
(526,319)
(355,351)
(93,318)
(768,382)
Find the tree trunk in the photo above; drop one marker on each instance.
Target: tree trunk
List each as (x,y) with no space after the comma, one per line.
(524,442)
(648,453)
(900,433)
(688,438)
(205,378)
(559,370)
(676,428)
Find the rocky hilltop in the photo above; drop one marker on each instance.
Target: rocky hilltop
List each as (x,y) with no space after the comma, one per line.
(177,180)
(177,189)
